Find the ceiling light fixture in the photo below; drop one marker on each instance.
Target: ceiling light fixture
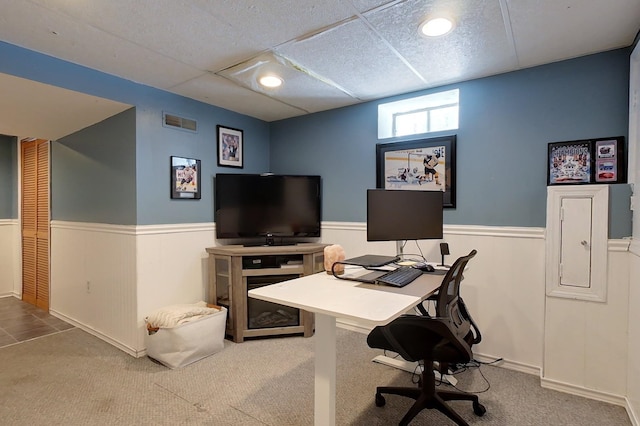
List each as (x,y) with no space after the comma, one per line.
(436,27)
(270,81)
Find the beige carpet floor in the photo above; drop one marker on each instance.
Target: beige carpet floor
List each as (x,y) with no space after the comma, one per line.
(73,378)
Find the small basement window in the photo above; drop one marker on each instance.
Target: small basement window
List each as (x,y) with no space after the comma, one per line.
(423,114)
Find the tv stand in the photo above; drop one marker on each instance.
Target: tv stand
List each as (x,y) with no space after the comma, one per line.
(236,269)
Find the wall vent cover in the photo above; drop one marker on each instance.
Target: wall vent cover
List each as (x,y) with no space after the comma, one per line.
(175,121)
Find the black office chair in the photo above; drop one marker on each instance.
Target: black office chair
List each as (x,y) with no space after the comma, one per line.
(445,339)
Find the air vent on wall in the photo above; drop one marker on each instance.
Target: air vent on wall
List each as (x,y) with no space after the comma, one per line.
(172,120)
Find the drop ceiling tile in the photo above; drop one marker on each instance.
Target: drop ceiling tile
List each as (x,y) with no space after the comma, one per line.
(179,30)
(301,88)
(219,91)
(272,22)
(479,44)
(366,5)
(58,35)
(552,30)
(355,58)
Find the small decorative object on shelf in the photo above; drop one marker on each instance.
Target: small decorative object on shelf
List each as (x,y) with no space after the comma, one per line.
(332,254)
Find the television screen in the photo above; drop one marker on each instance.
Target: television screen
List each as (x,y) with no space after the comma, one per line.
(278,206)
(394,215)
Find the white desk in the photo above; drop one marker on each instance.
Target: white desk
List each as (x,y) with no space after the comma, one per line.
(330,298)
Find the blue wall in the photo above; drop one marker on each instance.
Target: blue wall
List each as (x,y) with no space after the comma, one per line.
(154,143)
(8,178)
(93,173)
(506,122)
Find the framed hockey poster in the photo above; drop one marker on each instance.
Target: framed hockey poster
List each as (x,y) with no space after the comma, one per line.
(569,162)
(421,165)
(587,161)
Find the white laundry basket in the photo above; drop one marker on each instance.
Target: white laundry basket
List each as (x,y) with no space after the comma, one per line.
(187,343)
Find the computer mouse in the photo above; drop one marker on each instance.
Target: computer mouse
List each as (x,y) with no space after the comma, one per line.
(425,267)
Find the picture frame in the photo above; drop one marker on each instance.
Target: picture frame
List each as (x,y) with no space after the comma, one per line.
(419,165)
(569,163)
(230,147)
(609,157)
(587,161)
(185,178)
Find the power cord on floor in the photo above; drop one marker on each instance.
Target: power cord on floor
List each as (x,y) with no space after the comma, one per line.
(463,367)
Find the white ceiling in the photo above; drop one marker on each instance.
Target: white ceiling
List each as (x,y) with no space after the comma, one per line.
(331,53)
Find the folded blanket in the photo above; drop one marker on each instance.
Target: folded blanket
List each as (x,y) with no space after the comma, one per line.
(172,316)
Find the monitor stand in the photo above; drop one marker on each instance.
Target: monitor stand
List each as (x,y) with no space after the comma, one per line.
(399,249)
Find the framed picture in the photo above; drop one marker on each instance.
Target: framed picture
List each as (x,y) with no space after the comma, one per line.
(609,157)
(185,178)
(421,165)
(569,162)
(586,161)
(229,147)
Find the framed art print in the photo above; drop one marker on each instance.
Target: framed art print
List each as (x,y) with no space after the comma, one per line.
(587,161)
(569,162)
(185,178)
(421,165)
(230,149)
(609,160)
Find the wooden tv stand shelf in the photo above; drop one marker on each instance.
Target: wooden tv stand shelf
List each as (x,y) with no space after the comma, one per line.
(235,269)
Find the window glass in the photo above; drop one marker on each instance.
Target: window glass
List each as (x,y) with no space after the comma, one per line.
(422,114)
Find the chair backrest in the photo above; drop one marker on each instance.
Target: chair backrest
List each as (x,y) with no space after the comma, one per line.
(450,305)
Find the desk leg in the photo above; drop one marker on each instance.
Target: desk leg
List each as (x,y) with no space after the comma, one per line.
(325,381)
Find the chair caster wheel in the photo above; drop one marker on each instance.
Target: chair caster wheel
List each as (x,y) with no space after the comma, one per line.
(380,401)
(479,409)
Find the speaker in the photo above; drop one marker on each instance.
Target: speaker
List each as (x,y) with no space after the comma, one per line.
(444,250)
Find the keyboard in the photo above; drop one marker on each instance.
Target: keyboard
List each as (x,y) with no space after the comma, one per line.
(399,277)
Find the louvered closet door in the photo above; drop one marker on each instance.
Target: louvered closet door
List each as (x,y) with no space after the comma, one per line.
(35,223)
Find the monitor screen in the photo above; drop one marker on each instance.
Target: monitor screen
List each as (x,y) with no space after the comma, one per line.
(250,206)
(394,215)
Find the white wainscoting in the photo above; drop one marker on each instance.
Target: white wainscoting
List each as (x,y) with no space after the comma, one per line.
(9,258)
(586,341)
(93,279)
(504,287)
(132,270)
(107,278)
(633,368)
(172,267)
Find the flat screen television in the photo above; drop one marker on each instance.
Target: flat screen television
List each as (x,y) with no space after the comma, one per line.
(395,215)
(267,209)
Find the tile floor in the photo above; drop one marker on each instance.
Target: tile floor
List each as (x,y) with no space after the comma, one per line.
(20,321)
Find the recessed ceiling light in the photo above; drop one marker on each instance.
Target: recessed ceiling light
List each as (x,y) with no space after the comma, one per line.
(436,27)
(270,81)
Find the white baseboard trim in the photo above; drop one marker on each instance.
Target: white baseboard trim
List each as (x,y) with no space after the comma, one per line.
(508,364)
(635,420)
(134,229)
(11,294)
(99,335)
(584,392)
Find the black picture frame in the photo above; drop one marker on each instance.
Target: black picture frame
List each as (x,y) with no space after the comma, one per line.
(587,161)
(410,165)
(610,162)
(230,147)
(185,178)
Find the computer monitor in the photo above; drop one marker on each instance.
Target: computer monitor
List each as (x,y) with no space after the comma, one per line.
(395,215)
